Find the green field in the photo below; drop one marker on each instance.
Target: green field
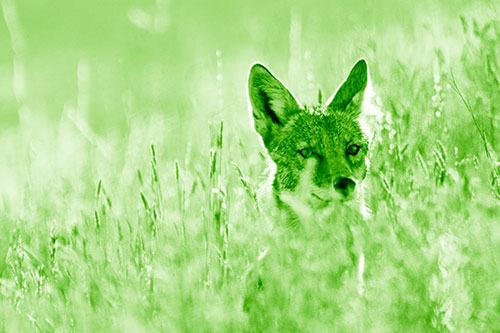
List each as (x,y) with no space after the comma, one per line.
(129,169)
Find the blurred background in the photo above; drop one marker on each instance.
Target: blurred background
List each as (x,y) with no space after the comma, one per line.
(116,60)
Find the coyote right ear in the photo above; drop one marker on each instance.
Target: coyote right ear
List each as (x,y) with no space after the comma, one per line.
(272,103)
(352,89)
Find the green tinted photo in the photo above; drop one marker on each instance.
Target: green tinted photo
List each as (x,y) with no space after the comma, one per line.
(259,166)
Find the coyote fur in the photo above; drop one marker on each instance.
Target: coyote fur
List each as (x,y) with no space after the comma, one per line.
(318,154)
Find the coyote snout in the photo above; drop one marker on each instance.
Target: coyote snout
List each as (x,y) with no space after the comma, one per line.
(319,152)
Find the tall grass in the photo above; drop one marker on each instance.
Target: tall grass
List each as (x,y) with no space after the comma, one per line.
(142,232)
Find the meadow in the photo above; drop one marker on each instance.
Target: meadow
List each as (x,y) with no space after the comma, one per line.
(129,169)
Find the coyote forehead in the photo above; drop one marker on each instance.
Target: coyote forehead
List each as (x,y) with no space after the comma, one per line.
(319,151)
(325,139)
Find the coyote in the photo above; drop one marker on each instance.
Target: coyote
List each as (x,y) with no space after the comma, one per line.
(318,154)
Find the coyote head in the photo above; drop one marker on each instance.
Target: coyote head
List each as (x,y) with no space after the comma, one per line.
(320,151)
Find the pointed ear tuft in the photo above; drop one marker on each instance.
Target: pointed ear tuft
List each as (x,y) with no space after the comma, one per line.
(352,89)
(272,103)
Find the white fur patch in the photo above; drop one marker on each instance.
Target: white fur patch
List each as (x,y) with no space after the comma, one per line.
(309,201)
(298,198)
(305,203)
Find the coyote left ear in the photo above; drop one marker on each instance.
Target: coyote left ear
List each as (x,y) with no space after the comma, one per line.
(349,95)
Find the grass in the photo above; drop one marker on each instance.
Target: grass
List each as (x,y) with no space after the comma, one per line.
(149,221)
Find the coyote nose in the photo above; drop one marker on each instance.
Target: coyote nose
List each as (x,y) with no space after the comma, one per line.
(344,186)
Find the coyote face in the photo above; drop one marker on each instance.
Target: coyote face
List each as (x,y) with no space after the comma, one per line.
(320,151)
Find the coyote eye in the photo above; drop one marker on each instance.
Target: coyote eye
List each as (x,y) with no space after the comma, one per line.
(306,152)
(352,150)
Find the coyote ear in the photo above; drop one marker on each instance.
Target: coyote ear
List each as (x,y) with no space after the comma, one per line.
(272,103)
(349,94)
